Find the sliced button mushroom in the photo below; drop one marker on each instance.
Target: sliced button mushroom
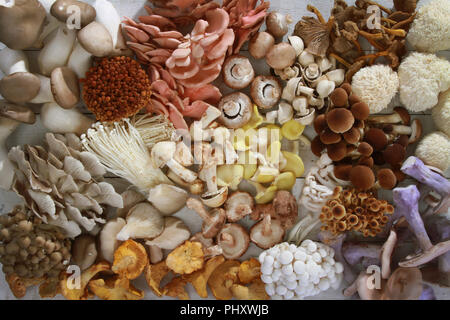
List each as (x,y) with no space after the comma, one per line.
(265,91)
(212,221)
(311,72)
(238,205)
(260,44)
(267,232)
(60,10)
(237,72)
(236,110)
(234,240)
(84,251)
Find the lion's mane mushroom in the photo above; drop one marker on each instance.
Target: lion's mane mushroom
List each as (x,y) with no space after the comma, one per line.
(434,150)
(375,85)
(430,29)
(260,44)
(21,23)
(234,240)
(238,205)
(84,251)
(212,221)
(292,272)
(236,110)
(265,91)
(441,113)
(29,248)
(75,198)
(422,77)
(143,222)
(237,72)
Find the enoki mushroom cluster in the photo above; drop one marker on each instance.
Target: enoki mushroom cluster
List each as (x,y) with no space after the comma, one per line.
(357,211)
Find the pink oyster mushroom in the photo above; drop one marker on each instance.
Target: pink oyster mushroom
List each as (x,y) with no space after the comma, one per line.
(198,61)
(246,17)
(182,12)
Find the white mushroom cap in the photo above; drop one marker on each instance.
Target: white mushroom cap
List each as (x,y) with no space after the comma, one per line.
(96,39)
(238,205)
(143,222)
(234,240)
(265,91)
(236,110)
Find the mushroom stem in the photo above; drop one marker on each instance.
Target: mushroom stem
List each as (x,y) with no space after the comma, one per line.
(395,32)
(198,207)
(60,120)
(12,61)
(340,60)
(80,60)
(316,12)
(155,254)
(400,115)
(7,126)
(45,94)
(386,254)
(354,253)
(266,230)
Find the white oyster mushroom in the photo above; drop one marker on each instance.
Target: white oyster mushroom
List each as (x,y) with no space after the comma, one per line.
(175,233)
(167,199)
(108,238)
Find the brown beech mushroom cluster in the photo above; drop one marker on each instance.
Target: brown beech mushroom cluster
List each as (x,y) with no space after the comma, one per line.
(357,211)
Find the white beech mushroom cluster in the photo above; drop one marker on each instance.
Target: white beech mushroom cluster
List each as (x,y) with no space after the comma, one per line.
(292,272)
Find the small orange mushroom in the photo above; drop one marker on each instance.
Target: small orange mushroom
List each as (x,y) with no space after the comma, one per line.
(187,258)
(249,270)
(199,278)
(176,288)
(154,273)
(223,278)
(115,288)
(130,259)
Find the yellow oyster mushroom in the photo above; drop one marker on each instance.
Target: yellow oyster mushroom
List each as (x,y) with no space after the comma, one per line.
(230,175)
(255,120)
(285,181)
(273,153)
(293,163)
(264,195)
(249,161)
(292,130)
(265,174)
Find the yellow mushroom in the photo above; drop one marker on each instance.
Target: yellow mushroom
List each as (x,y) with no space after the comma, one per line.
(265,174)
(249,162)
(292,130)
(285,181)
(293,163)
(230,175)
(264,195)
(256,119)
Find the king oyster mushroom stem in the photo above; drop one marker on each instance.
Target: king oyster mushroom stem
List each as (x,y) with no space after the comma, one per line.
(59,120)
(236,110)
(163,155)
(167,199)
(18,85)
(94,40)
(108,16)
(57,50)
(237,72)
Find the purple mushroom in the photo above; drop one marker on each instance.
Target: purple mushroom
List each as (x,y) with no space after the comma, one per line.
(439,230)
(427,293)
(365,253)
(407,205)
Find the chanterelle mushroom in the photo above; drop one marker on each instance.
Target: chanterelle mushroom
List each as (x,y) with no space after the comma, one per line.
(237,72)
(236,110)
(21,23)
(265,91)
(234,240)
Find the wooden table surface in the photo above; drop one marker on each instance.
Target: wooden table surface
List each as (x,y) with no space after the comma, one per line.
(34,134)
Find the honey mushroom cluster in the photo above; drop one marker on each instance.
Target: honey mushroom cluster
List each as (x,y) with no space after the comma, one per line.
(31,251)
(116,88)
(227,278)
(350,210)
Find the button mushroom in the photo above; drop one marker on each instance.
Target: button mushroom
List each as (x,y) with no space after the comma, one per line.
(265,91)
(212,221)
(281,55)
(278,23)
(21,23)
(234,240)
(267,232)
(260,44)
(237,72)
(236,110)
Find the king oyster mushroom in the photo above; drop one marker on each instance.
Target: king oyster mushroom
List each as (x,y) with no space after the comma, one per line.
(21,23)
(265,91)
(236,110)
(237,72)
(60,10)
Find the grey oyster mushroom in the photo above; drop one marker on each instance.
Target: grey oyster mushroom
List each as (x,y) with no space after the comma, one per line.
(174,234)
(61,184)
(21,23)
(84,251)
(167,199)
(108,242)
(30,248)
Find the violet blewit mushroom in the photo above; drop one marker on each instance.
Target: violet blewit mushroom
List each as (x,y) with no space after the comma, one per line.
(415,168)
(407,204)
(365,253)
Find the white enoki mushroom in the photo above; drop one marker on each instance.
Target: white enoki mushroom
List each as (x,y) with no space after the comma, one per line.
(121,149)
(153,129)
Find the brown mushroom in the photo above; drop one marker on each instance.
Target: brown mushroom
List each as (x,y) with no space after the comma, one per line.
(394,154)
(265,91)
(60,10)
(340,120)
(339,97)
(329,137)
(267,232)
(236,110)
(65,87)
(16,112)
(212,222)
(285,208)
(234,240)
(337,151)
(281,55)
(352,136)
(237,72)
(376,138)
(238,205)
(404,284)
(342,171)
(320,123)
(360,110)
(260,44)
(20,87)
(315,35)
(400,115)
(277,23)
(362,177)
(317,146)
(386,179)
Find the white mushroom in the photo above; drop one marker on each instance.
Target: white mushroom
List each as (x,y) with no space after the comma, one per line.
(167,199)
(175,233)
(108,238)
(337,76)
(59,120)
(285,112)
(297,43)
(324,88)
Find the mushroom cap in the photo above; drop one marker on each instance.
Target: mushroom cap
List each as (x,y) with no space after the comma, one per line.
(237,72)
(20,87)
(215,200)
(329,137)
(376,138)
(434,150)
(218,217)
(352,136)
(340,120)
(84,251)
(342,171)
(174,234)
(285,208)
(441,112)
(265,91)
(348,88)
(394,154)
(265,241)
(22,24)
(403,114)
(404,284)
(277,24)
(360,110)
(320,123)
(386,178)
(65,87)
(366,161)
(162,152)
(96,39)
(365,149)
(260,44)
(337,151)
(239,243)
(339,97)
(281,55)
(16,112)
(60,12)
(238,205)
(362,177)
(317,146)
(236,110)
